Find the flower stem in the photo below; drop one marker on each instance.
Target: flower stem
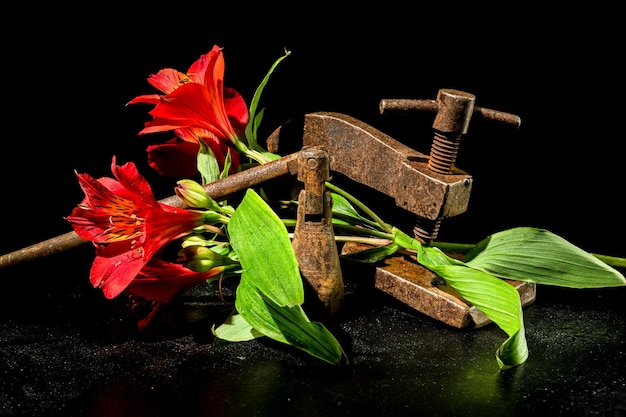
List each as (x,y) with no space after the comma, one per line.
(384,226)
(362,231)
(611,260)
(453,247)
(257,156)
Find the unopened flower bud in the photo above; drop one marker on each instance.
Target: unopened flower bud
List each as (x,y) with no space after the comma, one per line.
(195,239)
(201,258)
(194,195)
(196,252)
(201,265)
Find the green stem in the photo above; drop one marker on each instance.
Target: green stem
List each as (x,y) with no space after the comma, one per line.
(373,241)
(356,230)
(257,156)
(384,226)
(453,247)
(611,260)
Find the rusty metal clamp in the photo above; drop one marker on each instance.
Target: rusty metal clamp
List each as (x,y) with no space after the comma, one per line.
(313,238)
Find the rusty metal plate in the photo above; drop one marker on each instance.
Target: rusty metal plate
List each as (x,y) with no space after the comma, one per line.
(412,284)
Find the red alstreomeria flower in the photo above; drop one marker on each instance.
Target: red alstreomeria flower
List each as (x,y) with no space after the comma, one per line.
(197,106)
(127,225)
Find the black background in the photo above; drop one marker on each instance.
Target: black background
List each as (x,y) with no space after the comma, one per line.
(68,78)
(69,72)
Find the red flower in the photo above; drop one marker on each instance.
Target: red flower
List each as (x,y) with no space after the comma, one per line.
(197,100)
(127,225)
(160,281)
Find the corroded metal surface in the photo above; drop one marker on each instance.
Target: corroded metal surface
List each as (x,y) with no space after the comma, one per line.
(372,158)
(412,284)
(454,111)
(313,238)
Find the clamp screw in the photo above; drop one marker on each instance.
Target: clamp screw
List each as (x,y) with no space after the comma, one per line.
(454,111)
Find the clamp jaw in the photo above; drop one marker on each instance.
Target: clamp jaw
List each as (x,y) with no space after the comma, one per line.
(430,187)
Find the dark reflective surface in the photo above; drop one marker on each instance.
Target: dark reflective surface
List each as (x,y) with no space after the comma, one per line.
(65,351)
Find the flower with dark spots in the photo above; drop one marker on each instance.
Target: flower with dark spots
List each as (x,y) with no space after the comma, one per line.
(127,225)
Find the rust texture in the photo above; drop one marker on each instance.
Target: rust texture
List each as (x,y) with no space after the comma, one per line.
(454,111)
(370,157)
(42,249)
(313,238)
(407,281)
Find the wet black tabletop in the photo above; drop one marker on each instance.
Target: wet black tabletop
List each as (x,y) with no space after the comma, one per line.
(66,351)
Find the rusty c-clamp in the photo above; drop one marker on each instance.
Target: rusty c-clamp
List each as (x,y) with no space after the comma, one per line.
(429,186)
(372,158)
(369,157)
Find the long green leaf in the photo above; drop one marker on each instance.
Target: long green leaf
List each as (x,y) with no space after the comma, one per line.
(262,244)
(270,292)
(496,298)
(346,211)
(288,325)
(539,256)
(255,119)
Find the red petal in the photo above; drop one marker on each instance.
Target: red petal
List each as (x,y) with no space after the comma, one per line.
(162,281)
(236,108)
(113,273)
(174,158)
(168,80)
(148,98)
(134,182)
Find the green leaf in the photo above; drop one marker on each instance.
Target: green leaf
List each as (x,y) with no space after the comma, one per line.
(288,325)
(344,211)
(255,119)
(207,164)
(254,129)
(236,329)
(228,161)
(341,205)
(539,256)
(270,292)
(496,298)
(514,351)
(262,244)
(372,255)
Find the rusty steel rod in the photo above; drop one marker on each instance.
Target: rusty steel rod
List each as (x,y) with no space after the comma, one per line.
(411,105)
(218,190)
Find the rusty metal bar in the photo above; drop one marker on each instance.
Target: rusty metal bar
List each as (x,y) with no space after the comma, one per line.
(218,190)
(411,105)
